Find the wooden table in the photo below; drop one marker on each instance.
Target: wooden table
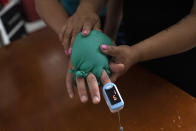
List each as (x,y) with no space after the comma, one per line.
(33,95)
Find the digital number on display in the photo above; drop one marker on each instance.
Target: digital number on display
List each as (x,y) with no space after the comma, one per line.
(113,95)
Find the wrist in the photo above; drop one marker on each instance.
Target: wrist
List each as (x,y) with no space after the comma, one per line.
(86,7)
(135,53)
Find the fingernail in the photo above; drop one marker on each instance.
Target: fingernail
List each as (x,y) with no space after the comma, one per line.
(71,96)
(83,98)
(66,53)
(70,51)
(105,47)
(95,100)
(85,32)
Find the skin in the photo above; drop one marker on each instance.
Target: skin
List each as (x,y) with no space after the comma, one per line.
(84,19)
(174,40)
(47,7)
(112,24)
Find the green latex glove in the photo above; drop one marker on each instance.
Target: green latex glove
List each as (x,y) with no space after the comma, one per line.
(86,55)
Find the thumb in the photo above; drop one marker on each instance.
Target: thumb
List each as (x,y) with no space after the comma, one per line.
(109,50)
(116,68)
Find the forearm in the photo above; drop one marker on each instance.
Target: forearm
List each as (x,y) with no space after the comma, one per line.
(52,12)
(92,5)
(176,39)
(112,24)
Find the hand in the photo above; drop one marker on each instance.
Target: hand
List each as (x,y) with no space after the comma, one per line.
(123,57)
(82,20)
(81,86)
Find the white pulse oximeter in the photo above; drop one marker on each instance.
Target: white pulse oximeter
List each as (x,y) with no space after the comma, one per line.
(113,97)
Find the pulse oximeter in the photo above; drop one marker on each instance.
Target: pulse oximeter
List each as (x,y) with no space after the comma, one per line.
(113,97)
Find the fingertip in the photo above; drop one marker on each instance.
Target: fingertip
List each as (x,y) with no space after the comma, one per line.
(117,67)
(66,52)
(104,47)
(121,66)
(85,32)
(70,91)
(70,51)
(71,96)
(84,99)
(96,100)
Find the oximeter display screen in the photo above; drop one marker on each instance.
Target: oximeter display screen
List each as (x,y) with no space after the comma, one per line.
(113,95)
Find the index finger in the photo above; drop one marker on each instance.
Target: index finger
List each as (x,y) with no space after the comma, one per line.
(87,28)
(93,88)
(105,78)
